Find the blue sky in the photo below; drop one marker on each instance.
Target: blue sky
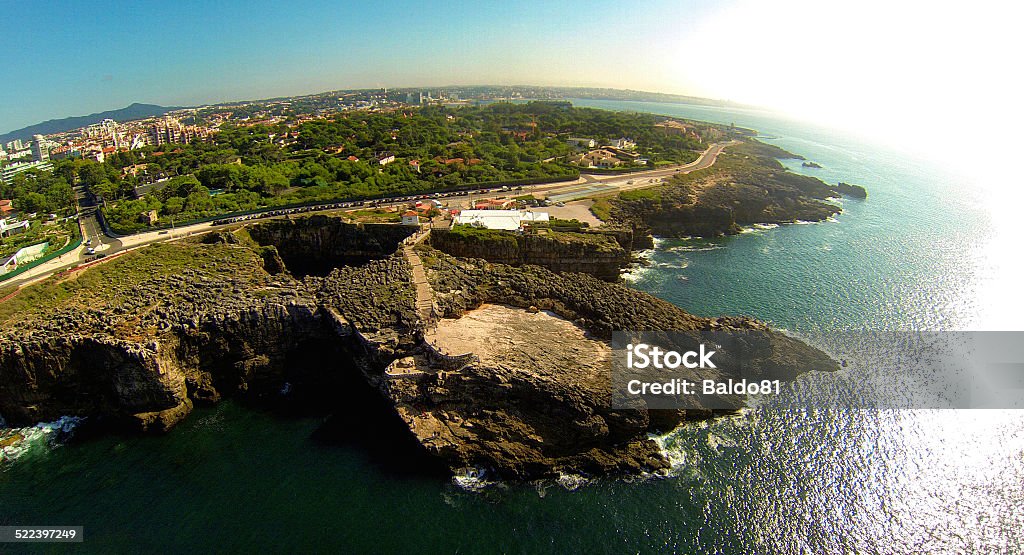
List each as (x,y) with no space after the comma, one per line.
(881,67)
(81,58)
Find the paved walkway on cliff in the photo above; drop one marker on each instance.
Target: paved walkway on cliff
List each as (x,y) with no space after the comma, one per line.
(424,293)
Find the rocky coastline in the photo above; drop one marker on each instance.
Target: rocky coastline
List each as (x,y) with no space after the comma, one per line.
(137,342)
(746,186)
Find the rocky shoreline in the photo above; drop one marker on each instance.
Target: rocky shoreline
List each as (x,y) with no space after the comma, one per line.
(746,186)
(137,342)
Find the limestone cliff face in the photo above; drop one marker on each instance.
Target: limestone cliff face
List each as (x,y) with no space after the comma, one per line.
(149,382)
(43,378)
(315,245)
(598,254)
(142,350)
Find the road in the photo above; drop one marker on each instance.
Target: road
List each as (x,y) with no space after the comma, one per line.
(93,236)
(596,185)
(586,185)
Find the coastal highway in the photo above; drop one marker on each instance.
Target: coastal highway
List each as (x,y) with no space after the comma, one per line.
(586,185)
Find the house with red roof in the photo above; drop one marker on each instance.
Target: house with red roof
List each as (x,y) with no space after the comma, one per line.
(410,218)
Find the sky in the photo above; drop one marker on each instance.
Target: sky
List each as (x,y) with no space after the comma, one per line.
(920,69)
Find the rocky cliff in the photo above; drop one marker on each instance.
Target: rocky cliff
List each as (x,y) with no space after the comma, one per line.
(315,245)
(598,254)
(137,340)
(543,405)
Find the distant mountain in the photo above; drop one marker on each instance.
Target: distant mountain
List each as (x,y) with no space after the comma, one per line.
(135,111)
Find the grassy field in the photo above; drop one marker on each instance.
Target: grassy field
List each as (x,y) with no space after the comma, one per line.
(141,273)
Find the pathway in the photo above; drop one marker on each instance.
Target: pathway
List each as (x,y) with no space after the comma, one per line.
(424,293)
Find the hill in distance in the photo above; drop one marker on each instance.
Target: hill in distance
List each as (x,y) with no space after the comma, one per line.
(135,111)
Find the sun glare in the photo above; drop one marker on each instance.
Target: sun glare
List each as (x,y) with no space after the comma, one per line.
(919,75)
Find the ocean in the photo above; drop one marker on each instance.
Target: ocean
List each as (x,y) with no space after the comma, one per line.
(777,478)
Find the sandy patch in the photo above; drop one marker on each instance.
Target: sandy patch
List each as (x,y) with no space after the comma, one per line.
(574,210)
(541,342)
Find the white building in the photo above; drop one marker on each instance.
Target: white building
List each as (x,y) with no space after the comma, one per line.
(7,173)
(509,220)
(410,218)
(580,141)
(40,150)
(622,143)
(8,229)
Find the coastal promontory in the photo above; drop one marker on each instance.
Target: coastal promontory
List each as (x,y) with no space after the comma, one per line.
(488,366)
(747,185)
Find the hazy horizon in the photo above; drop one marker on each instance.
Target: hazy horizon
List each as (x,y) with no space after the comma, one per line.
(911,72)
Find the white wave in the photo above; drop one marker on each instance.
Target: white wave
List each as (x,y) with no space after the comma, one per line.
(694,248)
(715,441)
(571,482)
(675,456)
(19,441)
(472,479)
(758,228)
(634,274)
(678,265)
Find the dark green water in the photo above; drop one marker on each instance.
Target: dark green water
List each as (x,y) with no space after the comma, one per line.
(777,479)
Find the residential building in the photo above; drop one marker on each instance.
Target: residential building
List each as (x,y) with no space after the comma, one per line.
(169,130)
(8,229)
(6,208)
(40,150)
(600,158)
(410,218)
(622,143)
(7,173)
(581,142)
(676,127)
(149,218)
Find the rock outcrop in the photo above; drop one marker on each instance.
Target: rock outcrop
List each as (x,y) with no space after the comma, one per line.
(595,253)
(855,191)
(746,186)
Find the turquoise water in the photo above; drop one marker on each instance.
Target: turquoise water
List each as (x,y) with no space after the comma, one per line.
(777,479)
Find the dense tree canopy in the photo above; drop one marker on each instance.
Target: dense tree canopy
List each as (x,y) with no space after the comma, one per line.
(434,148)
